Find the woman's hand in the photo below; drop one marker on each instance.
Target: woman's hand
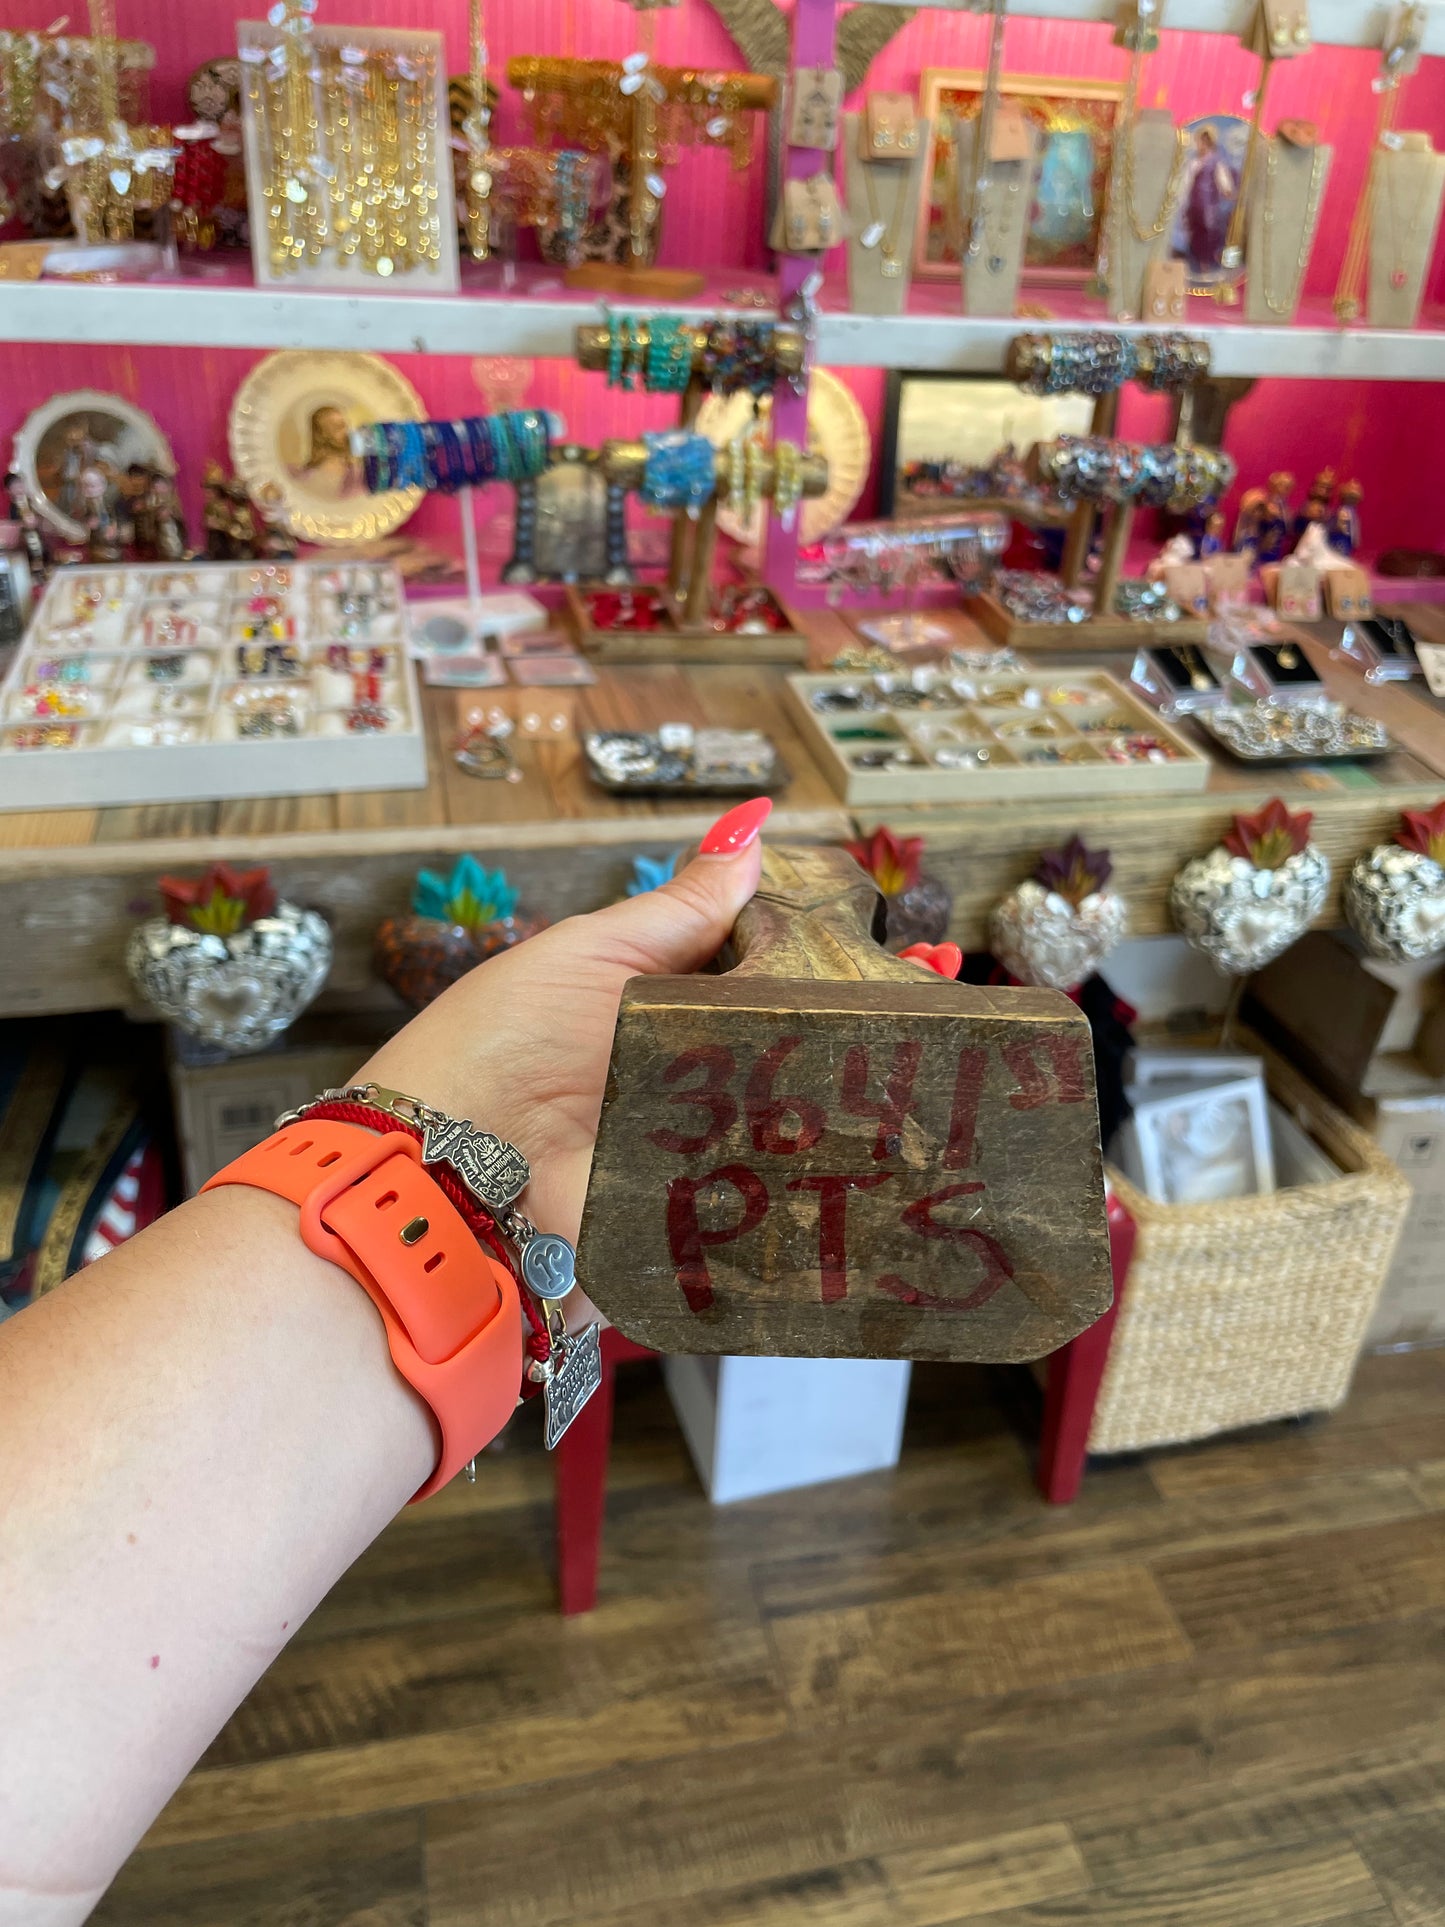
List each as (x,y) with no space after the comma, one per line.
(520,1046)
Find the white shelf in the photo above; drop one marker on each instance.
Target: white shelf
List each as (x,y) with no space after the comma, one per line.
(540,318)
(1333,23)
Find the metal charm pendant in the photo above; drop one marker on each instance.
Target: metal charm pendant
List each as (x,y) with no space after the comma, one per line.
(549,1265)
(891,266)
(494,1172)
(576,1378)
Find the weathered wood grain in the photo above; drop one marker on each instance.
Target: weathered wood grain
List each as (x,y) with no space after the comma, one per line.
(829,1152)
(363,1873)
(1262,1593)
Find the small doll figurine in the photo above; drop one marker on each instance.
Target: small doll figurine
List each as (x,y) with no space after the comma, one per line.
(1316,513)
(102,528)
(1273,528)
(1211,539)
(275,542)
(216,514)
(1246,527)
(1344,528)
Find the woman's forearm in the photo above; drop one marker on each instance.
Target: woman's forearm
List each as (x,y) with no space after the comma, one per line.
(211,1431)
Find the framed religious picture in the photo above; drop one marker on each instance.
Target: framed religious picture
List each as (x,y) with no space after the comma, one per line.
(73,453)
(290,436)
(1215,166)
(1075,119)
(961,441)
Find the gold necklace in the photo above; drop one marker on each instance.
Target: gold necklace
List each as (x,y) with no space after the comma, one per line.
(1189,659)
(1171,187)
(889,263)
(1312,203)
(1398,275)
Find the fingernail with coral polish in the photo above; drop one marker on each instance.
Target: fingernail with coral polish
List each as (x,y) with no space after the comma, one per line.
(945,958)
(738,828)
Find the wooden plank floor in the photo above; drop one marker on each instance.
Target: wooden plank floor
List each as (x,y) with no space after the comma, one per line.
(1208,1695)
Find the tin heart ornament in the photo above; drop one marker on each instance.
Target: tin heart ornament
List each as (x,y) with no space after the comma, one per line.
(228,962)
(917,905)
(1056,928)
(1395,894)
(1248,900)
(457,922)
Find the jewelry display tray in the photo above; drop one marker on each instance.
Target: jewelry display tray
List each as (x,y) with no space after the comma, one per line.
(104,766)
(1018,716)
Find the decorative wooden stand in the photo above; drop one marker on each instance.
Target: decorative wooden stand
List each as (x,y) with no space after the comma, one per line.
(633,143)
(887,1165)
(686,593)
(1104,630)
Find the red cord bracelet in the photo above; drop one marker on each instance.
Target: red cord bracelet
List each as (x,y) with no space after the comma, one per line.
(477,1220)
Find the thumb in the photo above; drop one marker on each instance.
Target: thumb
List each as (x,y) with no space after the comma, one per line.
(684,924)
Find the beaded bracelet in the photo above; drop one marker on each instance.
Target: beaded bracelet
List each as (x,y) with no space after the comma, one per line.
(680,471)
(787,480)
(669,354)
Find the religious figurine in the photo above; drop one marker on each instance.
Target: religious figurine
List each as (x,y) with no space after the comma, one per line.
(216,513)
(22,511)
(1273,525)
(168,523)
(98,515)
(275,542)
(241,523)
(1344,529)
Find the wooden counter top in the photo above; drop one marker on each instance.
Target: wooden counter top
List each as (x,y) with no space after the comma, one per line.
(72,882)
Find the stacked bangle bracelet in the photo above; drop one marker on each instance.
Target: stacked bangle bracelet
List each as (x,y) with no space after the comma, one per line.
(446,456)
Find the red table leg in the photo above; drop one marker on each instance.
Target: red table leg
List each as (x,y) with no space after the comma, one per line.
(580,1468)
(1076,1371)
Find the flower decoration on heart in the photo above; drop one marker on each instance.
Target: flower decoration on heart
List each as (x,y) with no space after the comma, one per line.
(1269,837)
(919,905)
(1057,927)
(470,896)
(1255,892)
(221,901)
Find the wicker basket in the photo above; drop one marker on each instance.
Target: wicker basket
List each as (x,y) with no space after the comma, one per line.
(1256,1308)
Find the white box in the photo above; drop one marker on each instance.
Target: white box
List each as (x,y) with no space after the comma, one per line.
(756,1425)
(1411,1308)
(118,641)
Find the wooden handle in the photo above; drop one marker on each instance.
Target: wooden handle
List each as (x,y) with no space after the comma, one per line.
(813,916)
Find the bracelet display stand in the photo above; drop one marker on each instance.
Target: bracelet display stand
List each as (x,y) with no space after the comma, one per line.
(1286,193)
(881,194)
(1146,188)
(991,273)
(686,596)
(1104,628)
(1404,216)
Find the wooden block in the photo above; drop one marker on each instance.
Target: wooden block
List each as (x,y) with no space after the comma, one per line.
(638,284)
(830,1153)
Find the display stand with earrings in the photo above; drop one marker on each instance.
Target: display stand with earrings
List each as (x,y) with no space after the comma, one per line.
(996,198)
(1409,181)
(1286,193)
(883,199)
(1280,30)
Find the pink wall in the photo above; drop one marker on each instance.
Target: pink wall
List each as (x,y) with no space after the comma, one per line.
(1387,434)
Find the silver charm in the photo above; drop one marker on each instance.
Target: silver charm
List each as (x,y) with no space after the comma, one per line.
(577,1375)
(237,993)
(549,1265)
(494,1172)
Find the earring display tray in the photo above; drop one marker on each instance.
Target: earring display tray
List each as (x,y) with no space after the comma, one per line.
(746,623)
(934,736)
(197,682)
(1088,632)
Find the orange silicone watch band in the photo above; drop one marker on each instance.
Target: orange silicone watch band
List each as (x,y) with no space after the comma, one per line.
(453,1321)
